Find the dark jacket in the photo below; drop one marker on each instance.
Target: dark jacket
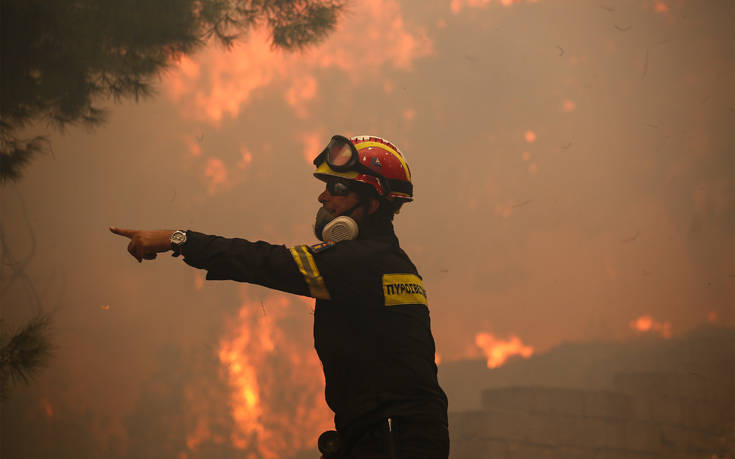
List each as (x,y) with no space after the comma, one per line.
(371,322)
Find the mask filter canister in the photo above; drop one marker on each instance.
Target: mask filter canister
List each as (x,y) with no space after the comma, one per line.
(340,229)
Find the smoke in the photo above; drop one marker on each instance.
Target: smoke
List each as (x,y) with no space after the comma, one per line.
(573,171)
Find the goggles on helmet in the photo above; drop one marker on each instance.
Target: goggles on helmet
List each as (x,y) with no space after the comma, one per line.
(342,156)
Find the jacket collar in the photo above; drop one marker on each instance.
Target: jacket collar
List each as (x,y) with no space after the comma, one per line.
(378,230)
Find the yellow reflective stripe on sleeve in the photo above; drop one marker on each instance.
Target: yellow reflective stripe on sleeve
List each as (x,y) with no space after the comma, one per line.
(403,289)
(307,266)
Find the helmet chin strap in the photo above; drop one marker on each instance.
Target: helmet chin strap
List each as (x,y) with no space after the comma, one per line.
(348,212)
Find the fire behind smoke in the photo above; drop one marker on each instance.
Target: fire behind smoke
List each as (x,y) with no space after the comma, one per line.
(276,399)
(498,350)
(645,324)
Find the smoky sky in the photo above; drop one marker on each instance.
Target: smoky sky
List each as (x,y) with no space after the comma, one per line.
(573,164)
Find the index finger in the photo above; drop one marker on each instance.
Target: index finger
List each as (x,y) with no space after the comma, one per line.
(122,232)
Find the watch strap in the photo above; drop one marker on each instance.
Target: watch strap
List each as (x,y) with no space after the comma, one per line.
(177,247)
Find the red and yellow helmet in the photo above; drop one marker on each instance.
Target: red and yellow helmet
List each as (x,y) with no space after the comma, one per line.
(367,159)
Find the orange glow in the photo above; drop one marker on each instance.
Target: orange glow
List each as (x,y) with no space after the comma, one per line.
(457,5)
(194,147)
(409,114)
(264,367)
(644,324)
(48,408)
(504,210)
(437,358)
(530,136)
(314,143)
(712,317)
(190,70)
(568,105)
(526,156)
(200,434)
(533,169)
(198,281)
(105,307)
(302,90)
(661,7)
(220,82)
(245,158)
(216,172)
(498,350)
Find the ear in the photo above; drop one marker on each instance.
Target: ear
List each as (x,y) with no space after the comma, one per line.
(373,206)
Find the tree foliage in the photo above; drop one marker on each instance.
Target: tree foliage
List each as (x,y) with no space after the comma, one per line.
(61,58)
(22,353)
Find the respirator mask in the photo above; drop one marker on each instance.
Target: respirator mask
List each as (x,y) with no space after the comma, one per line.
(329,227)
(342,227)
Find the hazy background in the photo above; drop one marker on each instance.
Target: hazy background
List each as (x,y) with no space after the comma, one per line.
(574,170)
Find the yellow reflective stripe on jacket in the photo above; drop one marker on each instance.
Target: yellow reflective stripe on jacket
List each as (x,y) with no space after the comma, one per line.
(307,266)
(403,289)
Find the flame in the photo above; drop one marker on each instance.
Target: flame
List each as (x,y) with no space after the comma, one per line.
(661,7)
(498,350)
(277,385)
(437,358)
(644,324)
(105,307)
(530,136)
(220,82)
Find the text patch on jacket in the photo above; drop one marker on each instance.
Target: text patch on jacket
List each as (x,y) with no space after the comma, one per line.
(403,289)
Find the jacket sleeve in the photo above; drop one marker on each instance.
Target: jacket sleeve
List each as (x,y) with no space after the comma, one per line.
(261,263)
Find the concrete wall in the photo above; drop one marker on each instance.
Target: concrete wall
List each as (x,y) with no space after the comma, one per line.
(648,415)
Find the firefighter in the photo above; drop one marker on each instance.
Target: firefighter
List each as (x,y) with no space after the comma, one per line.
(371,319)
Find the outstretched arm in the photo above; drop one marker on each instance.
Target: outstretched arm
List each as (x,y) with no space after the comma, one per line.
(226,259)
(145,244)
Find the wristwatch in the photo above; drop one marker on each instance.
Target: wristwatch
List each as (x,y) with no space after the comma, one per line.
(178,239)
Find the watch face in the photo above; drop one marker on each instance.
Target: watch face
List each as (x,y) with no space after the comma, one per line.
(178,237)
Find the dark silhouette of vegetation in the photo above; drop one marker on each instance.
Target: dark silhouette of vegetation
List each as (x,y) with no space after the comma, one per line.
(23,352)
(62,58)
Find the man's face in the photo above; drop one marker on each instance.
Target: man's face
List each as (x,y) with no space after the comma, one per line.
(341,199)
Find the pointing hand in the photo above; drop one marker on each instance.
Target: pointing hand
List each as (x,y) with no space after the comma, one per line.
(145,244)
